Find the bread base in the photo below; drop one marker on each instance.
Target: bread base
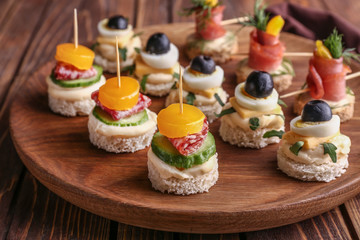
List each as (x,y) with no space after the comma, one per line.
(306,172)
(177,186)
(251,139)
(281,82)
(219,49)
(209,110)
(71,108)
(118,144)
(111,66)
(345,112)
(158,90)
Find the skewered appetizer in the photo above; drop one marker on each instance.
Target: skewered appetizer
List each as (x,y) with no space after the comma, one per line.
(202,87)
(121,122)
(266,51)
(314,149)
(182,158)
(253,118)
(157,66)
(210,38)
(326,78)
(73,80)
(105,43)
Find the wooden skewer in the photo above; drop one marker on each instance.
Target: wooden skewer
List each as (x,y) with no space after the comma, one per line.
(234,20)
(76,40)
(117,61)
(181,92)
(286,54)
(348,77)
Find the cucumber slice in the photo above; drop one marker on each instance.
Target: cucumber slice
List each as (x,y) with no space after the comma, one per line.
(134,120)
(164,150)
(81,82)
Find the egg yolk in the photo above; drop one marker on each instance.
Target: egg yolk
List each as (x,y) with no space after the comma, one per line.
(80,57)
(120,98)
(174,124)
(302,124)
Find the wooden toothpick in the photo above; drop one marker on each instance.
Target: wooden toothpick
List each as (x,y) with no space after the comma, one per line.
(76,40)
(181,91)
(353,75)
(234,20)
(286,54)
(118,61)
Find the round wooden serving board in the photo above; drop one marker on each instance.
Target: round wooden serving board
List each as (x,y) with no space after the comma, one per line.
(251,193)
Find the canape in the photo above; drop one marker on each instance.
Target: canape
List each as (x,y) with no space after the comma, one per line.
(105,43)
(182,158)
(157,66)
(253,118)
(314,149)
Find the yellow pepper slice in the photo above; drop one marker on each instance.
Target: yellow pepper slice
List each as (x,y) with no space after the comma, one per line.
(80,57)
(322,50)
(120,98)
(173,124)
(275,25)
(211,3)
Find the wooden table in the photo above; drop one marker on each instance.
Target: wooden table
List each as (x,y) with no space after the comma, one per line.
(29,32)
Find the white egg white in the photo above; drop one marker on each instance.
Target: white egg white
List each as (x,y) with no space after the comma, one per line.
(259,104)
(320,129)
(204,81)
(108,32)
(162,61)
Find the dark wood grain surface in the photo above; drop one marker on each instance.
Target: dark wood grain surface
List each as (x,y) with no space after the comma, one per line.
(29,32)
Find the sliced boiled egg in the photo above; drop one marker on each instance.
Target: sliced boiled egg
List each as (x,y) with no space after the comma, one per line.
(315,129)
(107,32)
(259,104)
(204,81)
(162,61)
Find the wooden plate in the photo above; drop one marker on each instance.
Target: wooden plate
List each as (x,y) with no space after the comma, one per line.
(251,193)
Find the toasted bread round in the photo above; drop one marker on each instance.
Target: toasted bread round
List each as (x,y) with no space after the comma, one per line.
(186,186)
(325,172)
(251,139)
(219,49)
(71,108)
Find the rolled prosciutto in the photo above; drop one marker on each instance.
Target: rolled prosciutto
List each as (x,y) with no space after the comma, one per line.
(208,26)
(266,51)
(326,78)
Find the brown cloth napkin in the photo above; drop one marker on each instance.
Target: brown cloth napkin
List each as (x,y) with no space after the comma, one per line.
(315,24)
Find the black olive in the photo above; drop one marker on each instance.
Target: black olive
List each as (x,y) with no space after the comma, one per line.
(259,84)
(158,43)
(203,64)
(118,22)
(316,111)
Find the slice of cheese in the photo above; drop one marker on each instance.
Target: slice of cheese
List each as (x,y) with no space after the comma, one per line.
(141,68)
(309,142)
(248,113)
(123,41)
(209,93)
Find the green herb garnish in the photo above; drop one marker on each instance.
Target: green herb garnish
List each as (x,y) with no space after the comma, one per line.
(190,98)
(282,103)
(130,68)
(137,34)
(273,133)
(254,123)
(225,112)
(143,82)
(296,147)
(217,97)
(260,19)
(94,46)
(137,50)
(174,86)
(349,91)
(176,75)
(123,52)
(330,149)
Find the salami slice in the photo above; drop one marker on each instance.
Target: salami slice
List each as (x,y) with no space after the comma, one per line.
(192,142)
(142,103)
(64,71)
(265,55)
